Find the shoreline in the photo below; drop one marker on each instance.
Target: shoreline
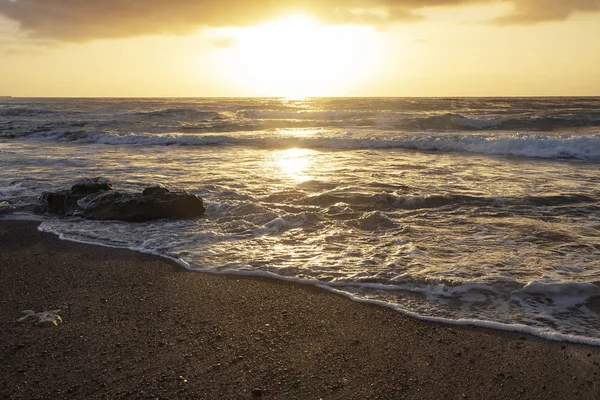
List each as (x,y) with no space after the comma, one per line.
(141,326)
(519,329)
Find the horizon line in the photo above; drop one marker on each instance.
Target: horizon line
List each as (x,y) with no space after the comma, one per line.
(292,97)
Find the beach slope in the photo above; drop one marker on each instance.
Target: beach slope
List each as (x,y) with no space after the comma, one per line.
(138,326)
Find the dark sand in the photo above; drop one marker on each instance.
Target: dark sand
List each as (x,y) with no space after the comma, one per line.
(137,326)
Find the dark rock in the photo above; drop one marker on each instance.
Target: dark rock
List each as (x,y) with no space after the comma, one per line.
(65,202)
(55,201)
(135,207)
(155,190)
(95,199)
(90,185)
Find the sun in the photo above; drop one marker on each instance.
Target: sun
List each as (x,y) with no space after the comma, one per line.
(296,56)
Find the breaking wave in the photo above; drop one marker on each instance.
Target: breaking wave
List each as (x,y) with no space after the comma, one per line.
(585,148)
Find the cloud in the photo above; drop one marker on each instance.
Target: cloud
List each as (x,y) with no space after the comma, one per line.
(535,11)
(79,20)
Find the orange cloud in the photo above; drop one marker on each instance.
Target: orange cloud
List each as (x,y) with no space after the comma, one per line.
(77,20)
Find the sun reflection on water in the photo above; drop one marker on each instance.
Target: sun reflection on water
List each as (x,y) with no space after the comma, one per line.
(294,163)
(298,132)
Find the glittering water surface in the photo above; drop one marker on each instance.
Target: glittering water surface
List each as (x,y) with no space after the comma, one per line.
(479,210)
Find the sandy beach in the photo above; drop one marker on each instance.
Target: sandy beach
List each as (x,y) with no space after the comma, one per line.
(138,326)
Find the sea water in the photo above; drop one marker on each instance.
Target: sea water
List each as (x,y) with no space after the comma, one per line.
(467,210)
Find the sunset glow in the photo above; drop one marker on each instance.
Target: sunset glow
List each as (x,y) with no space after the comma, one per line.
(250,48)
(295,57)
(439,159)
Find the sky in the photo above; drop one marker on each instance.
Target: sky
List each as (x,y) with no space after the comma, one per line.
(297,48)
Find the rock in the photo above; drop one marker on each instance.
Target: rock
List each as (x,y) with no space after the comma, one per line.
(55,202)
(155,189)
(5,206)
(91,185)
(65,202)
(95,199)
(134,207)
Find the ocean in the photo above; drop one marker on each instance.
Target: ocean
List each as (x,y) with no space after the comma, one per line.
(480,211)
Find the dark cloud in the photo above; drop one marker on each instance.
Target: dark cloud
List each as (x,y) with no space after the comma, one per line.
(75,20)
(534,11)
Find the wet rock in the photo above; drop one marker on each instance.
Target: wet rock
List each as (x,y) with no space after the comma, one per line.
(90,185)
(135,207)
(95,199)
(66,201)
(55,202)
(155,190)
(5,206)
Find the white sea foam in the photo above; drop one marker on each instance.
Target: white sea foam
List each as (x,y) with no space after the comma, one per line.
(470,293)
(521,328)
(563,295)
(585,148)
(562,289)
(339,288)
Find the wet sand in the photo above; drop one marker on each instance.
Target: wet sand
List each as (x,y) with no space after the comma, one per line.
(138,326)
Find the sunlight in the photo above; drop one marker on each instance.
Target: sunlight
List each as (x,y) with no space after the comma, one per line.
(294,163)
(298,132)
(297,57)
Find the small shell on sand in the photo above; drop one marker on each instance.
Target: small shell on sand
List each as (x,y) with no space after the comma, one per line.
(43,317)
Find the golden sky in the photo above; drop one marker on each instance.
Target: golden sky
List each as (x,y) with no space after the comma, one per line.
(299,48)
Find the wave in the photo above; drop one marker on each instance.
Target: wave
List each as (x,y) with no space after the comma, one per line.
(251,120)
(459,122)
(24,112)
(580,148)
(387,201)
(397,119)
(559,200)
(563,294)
(393,201)
(315,115)
(405,120)
(586,148)
(181,113)
(409,120)
(453,122)
(108,138)
(573,291)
